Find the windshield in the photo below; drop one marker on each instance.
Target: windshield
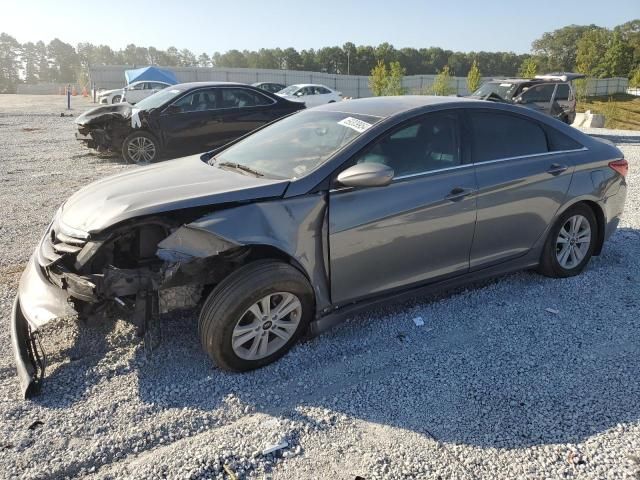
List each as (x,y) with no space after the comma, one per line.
(289,90)
(296,145)
(159,98)
(503,90)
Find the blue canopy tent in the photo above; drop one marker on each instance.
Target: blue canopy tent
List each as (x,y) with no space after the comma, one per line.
(150,74)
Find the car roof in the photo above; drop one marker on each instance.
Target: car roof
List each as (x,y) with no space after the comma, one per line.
(388,106)
(210,84)
(526,80)
(300,85)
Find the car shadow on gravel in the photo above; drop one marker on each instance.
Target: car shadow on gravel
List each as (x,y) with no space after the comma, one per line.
(619,140)
(513,363)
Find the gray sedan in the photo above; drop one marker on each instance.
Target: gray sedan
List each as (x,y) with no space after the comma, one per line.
(313,217)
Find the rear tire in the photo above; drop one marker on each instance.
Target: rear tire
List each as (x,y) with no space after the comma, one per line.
(570,243)
(141,148)
(238,339)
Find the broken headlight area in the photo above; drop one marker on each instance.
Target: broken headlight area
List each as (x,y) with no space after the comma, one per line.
(142,269)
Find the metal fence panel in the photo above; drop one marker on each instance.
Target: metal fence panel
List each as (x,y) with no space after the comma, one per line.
(112,76)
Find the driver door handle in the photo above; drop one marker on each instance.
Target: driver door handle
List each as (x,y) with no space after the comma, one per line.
(557,169)
(459,193)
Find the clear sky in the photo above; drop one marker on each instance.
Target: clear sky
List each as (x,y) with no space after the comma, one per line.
(209,25)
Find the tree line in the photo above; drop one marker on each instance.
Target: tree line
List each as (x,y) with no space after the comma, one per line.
(589,49)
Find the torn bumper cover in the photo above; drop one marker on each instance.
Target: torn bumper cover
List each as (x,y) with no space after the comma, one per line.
(36,303)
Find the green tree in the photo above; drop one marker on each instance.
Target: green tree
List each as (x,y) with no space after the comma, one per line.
(634,81)
(442,83)
(204,60)
(474,77)
(9,63)
(618,58)
(64,61)
(630,32)
(378,79)
(591,49)
(559,47)
(394,80)
(528,68)
(187,58)
(30,62)
(387,80)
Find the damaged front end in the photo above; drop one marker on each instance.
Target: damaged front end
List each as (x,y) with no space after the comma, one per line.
(146,266)
(104,128)
(82,276)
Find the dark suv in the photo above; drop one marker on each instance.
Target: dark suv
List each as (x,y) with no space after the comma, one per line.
(552,94)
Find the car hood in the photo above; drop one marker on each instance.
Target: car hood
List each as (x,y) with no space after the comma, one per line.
(176,184)
(116,111)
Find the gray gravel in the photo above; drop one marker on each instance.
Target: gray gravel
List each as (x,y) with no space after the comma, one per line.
(492,386)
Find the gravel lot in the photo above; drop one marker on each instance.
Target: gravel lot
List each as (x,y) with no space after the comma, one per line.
(492,386)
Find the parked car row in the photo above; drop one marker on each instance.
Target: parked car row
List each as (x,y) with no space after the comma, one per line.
(295,227)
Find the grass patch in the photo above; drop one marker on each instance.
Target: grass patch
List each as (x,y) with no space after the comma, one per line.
(621,111)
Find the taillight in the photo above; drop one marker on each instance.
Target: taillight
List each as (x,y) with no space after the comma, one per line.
(621,166)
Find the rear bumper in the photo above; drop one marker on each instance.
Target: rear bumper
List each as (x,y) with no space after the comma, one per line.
(37,303)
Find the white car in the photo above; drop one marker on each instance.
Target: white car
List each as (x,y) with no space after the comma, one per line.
(136,91)
(132,93)
(311,94)
(110,96)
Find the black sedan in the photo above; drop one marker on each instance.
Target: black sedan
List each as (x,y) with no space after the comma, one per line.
(181,120)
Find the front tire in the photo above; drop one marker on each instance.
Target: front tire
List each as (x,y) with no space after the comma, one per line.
(140,148)
(570,243)
(255,315)
(116,99)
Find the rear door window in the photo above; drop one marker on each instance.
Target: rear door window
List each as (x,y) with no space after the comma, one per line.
(539,93)
(562,92)
(242,98)
(495,136)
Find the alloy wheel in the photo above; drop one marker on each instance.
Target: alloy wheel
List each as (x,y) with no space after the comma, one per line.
(266,326)
(572,244)
(141,150)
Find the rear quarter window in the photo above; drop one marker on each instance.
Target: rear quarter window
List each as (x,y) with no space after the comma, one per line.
(496,136)
(558,141)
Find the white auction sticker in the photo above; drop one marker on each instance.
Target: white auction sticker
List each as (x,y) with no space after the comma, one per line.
(357,125)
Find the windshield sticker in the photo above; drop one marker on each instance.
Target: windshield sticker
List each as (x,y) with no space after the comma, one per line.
(355,124)
(135,118)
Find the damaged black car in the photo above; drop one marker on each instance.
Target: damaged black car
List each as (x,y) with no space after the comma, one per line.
(292,228)
(180,120)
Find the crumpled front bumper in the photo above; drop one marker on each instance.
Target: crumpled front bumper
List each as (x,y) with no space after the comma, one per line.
(37,303)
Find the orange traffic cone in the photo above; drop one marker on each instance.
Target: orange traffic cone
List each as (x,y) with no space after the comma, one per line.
(84,92)
(74,92)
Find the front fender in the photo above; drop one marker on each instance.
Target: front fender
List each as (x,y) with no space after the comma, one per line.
(296,226)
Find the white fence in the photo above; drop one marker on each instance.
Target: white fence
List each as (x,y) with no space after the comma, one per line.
(112,76)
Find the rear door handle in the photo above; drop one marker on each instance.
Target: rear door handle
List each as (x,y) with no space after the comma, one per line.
(557,169)
(459,193)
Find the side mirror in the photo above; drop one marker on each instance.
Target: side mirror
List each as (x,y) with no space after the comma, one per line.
(366,174)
